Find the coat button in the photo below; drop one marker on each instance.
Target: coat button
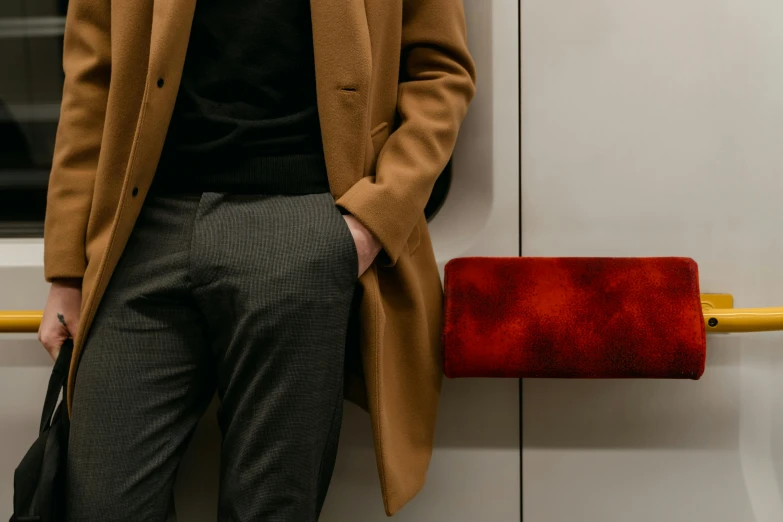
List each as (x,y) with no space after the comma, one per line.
(135,191)
(160,82)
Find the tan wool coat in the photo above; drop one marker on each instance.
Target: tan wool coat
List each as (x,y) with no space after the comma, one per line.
(394,81)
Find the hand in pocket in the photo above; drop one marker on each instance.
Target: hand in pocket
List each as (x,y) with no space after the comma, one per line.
(367,245)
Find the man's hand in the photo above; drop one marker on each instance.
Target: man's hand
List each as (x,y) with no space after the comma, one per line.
(367,245)
(61,314)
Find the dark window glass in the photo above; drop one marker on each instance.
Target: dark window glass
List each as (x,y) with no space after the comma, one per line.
(31,34)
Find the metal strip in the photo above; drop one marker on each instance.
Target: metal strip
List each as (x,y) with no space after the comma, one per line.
(32,27)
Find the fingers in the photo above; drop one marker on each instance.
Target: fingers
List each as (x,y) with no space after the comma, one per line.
(52,340)
(367,245)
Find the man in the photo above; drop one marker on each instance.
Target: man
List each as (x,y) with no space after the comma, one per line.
(230,180)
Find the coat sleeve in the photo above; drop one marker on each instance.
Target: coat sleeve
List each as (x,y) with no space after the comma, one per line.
(87,68)
(437,83)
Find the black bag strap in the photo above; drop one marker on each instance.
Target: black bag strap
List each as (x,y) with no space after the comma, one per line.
(57,382)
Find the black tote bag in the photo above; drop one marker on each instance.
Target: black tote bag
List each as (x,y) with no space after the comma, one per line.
(39,480)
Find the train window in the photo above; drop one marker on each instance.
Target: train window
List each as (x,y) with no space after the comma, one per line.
(31,34)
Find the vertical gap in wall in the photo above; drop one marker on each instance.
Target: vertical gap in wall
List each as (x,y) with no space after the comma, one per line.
(519,226)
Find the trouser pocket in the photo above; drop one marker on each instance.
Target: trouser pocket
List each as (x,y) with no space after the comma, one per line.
(345,235)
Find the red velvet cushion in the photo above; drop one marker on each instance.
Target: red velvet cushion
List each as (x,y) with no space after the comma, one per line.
(573,317)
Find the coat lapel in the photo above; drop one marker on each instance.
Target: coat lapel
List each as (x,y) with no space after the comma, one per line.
(171,24)
(343,70)
(169,35)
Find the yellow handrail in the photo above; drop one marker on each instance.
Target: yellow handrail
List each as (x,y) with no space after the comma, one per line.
(744,320)
(720,316)
(20,321)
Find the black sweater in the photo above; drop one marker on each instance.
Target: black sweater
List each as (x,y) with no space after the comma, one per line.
(246,114)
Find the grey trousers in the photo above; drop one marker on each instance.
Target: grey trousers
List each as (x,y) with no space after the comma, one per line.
(246,295)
